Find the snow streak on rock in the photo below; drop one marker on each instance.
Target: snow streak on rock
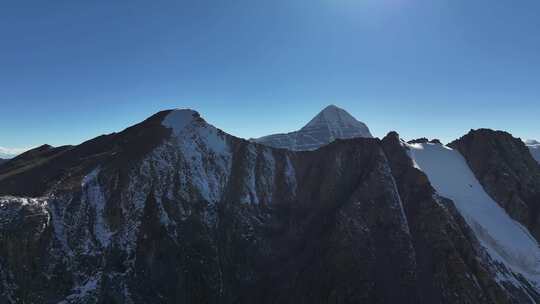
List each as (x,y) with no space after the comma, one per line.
(205,153)
(93,197)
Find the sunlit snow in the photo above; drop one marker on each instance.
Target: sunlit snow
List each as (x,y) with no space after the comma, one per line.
(330,124)
(505,239)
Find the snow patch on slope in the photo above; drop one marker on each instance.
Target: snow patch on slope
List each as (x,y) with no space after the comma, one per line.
(290,176)
(506,240)
(207,157)
(249,188)
(86,291)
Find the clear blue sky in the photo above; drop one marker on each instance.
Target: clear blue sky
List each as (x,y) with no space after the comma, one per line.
(71,70)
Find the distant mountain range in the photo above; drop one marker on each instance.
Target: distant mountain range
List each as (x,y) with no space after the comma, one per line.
(174,210)
(7,153)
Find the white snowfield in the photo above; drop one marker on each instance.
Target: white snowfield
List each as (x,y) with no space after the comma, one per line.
(534,147)
(506,240)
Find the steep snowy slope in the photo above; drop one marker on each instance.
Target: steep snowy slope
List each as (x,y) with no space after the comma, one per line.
(534,147)
(505,239)
(330,124)
(507,171)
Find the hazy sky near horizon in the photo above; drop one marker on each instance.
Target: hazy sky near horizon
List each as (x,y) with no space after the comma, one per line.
(72,70)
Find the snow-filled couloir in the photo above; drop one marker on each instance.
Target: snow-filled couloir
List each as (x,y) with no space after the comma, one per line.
(506,240)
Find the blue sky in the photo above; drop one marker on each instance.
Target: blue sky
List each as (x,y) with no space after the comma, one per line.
(72,70)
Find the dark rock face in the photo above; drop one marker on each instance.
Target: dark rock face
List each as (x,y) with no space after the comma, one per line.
(193,215)
(424,140)
(507,171)
(418,141)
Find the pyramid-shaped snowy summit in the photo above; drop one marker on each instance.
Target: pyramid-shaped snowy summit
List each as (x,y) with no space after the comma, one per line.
(330,124)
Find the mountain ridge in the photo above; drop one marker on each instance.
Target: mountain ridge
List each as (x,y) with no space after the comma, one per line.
(176,209)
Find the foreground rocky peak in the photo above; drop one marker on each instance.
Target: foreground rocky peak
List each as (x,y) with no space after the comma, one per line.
(205,217)
(173,210)
(330,124)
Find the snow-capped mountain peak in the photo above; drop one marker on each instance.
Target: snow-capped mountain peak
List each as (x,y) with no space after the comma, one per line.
(336,119)
(180,118)
(187,125)
(330,124)
(534,147)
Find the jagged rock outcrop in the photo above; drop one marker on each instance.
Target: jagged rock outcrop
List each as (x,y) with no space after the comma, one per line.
(507,171)
(173,210)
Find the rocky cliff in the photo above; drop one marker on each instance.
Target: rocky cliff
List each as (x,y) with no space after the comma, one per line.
(507,171)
